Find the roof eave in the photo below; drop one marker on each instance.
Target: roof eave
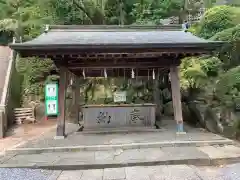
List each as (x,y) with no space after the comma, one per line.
(22,46)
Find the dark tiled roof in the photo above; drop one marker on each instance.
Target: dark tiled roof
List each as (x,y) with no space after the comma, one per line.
(82,38)
(114,37)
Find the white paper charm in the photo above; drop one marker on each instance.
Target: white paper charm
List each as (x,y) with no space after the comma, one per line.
(133,74)
(153,74)
(83,73)
(105,73)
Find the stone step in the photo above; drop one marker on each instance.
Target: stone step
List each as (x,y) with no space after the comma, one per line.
(205,156)
(176,143)
(120,130)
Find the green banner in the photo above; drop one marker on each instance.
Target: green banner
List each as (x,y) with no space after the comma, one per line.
(51,99)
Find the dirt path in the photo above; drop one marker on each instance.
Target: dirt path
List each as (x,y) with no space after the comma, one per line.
(20,135)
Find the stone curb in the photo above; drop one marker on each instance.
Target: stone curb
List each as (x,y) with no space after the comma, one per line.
(55,175)
(84,166)
(119,146)
(117,130)
(5,158)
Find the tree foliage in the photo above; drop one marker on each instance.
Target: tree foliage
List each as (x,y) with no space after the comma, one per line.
(216,80)
(230,53)
(154,11)
(32,14)
(35,72)
(228,87)
(196,71)
(218,19)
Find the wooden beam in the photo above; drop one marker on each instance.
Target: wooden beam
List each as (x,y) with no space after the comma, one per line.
(62,102)
(75,60)
(176,98)
(118,72)
(115,64)
(137,66)
(51,53)
(121,55)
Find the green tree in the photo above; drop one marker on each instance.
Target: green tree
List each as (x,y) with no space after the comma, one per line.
(27,15)
(196,72)
(230,53)
(208,3)
(228,88)
(155,10)
(35,71)
(218,19)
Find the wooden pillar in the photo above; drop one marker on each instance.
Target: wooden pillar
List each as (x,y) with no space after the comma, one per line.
(73,86)
(62,102)
(74,108)
(76,98)
(176,98)
(156,97)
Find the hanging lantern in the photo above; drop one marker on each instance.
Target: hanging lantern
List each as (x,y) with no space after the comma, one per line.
(105,73)
(83,73)
(133,74)
(153,74)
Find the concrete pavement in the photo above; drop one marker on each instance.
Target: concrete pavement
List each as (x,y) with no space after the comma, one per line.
(19,135)
(82,139)
(109,156)
(98,151)
(165,172)
(204,155)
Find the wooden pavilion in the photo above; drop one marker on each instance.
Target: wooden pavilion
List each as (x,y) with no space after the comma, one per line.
(120,49)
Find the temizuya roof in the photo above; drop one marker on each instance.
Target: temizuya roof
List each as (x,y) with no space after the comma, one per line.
(114,37)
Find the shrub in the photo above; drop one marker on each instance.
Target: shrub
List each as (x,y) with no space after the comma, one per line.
(36,72)
(228,87)
(194,29)
(230,53)
(218,19)
(195,71)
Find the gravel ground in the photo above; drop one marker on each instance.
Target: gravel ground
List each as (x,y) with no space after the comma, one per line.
(24,174)
(231,172)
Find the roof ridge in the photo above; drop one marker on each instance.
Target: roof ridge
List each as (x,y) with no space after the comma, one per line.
(112,30)
(116,27)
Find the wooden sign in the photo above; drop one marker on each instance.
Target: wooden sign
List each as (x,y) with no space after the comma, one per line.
(120,96)
(51,99)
